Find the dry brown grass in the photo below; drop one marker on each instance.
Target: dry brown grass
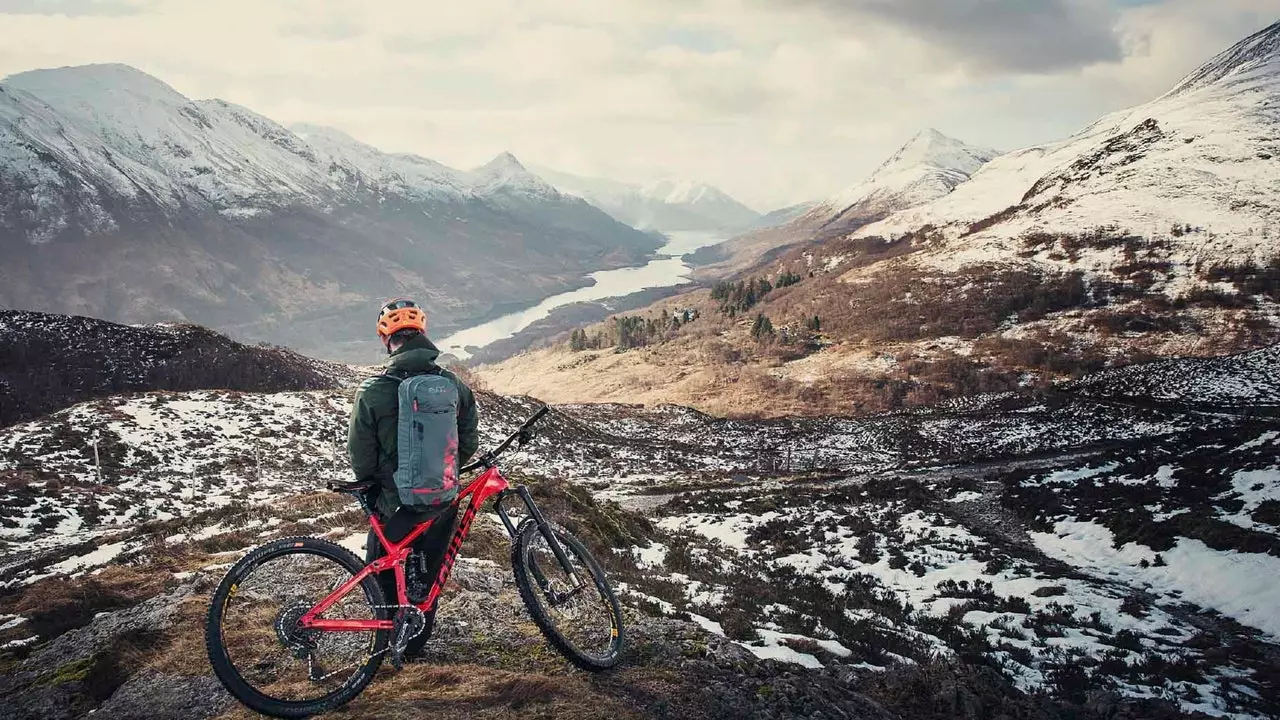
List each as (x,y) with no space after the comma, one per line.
(718,369)
(54,605)
(474,691)
(184,653)
(311,504)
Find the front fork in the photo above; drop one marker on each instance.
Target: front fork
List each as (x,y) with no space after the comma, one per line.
(548,533)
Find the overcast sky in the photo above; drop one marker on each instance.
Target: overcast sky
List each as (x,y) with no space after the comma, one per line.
(775,101)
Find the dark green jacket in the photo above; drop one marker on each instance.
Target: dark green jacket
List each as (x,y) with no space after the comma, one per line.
(371,439)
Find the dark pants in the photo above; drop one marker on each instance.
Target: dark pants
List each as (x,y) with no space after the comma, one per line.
(432,545)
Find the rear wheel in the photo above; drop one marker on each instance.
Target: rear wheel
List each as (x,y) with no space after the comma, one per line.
(580,619)
(260,654)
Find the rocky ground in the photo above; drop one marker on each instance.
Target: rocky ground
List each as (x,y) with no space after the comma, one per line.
(1066,554)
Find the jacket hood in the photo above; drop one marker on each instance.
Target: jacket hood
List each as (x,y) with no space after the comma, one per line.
(416,355)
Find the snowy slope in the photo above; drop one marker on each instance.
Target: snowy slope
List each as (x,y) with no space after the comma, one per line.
(1250,379)
(1203,155)
(1064,542)
(661,205)
(408,175)
(145,138)
(929,166)
(90,132)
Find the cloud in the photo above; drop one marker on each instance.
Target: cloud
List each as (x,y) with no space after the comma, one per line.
(73,8)
(1021,36)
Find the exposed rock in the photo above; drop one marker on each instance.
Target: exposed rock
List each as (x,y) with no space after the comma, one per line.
(152,695)
(79,669)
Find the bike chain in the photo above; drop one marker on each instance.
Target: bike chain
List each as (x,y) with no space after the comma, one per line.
(367,658)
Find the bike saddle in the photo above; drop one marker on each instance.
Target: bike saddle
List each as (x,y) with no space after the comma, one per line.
(352,487)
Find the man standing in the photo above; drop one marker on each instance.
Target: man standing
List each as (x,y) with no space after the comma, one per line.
(372,439)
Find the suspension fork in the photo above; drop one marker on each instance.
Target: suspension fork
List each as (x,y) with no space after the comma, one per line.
(548,533)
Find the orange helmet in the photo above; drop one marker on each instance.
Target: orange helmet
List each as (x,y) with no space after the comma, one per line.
(400,314)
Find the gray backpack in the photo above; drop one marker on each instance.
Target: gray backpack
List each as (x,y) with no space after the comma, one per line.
(427,441)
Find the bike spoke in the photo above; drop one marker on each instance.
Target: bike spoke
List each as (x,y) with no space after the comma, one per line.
(267,648)
(582,615)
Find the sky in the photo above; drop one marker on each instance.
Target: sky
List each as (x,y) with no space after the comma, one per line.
(774,101)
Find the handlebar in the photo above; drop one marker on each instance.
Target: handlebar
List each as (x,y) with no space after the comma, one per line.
(524,433)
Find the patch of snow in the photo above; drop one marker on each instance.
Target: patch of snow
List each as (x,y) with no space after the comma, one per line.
(1239,585)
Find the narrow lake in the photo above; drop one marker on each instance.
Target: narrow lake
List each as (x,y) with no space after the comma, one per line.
(664,270)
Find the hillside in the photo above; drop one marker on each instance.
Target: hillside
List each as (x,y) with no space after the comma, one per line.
(1040,556)
(123,199)
(48,362)
(1195,167)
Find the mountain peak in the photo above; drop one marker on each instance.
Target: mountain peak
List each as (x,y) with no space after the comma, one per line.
(1260,52)
(504,174)
(933,148)
(503,163)
(930,135)
(927,167)
(92,84)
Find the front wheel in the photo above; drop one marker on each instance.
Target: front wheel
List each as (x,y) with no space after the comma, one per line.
(580,618)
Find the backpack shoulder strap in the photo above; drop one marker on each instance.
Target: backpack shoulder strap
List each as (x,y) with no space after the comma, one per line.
(400,376)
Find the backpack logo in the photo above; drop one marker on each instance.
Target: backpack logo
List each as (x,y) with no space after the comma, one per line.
(427,441)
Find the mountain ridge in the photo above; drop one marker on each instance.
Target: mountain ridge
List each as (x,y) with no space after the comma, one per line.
(928,166)
(1255,52)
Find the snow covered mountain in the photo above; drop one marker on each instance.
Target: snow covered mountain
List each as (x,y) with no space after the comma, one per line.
(662,205)
(929,166)
(1198,168)
(121,198)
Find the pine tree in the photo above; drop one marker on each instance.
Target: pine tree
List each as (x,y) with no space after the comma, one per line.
(762,328)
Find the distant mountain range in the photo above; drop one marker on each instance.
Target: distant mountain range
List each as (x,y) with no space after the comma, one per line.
(664,205)
(121,198)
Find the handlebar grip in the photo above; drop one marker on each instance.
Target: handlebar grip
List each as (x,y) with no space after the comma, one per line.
(537,416)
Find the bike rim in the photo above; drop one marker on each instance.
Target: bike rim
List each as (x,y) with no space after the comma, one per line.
(267,650)
(586,620)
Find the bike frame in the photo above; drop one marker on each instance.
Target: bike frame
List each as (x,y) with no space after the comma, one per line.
(490,483)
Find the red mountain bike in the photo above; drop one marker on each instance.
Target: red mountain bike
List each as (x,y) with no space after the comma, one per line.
(300,625)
